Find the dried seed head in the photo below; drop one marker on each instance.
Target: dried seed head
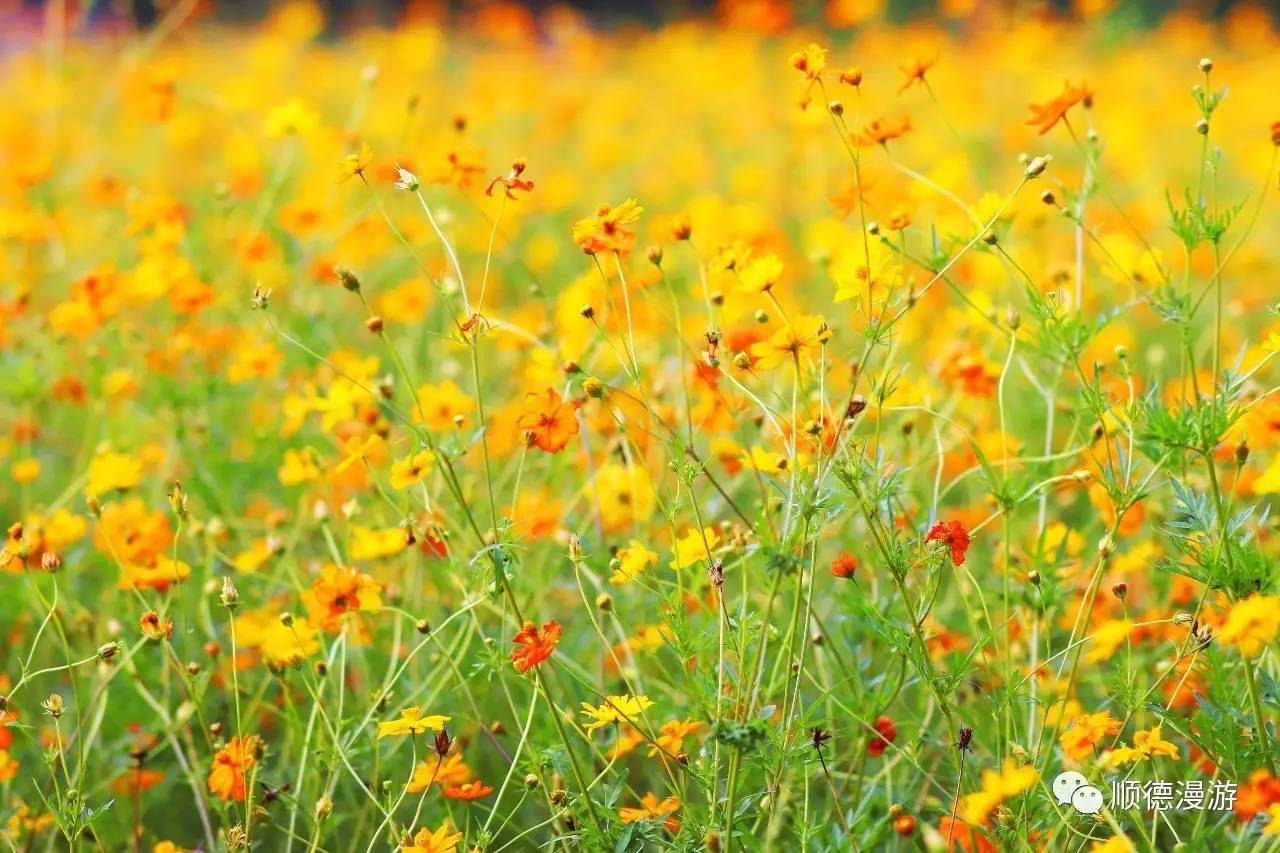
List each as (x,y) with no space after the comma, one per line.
(593,387)
(374,324)
(587,312)
(1202,127)
(53,706)
(1120,590)
(654,255)
(107,651)
(1048,197)
(604,602)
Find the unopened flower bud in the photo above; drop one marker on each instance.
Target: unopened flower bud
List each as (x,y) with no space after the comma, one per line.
(1037,166)
(230,596)
(347,278)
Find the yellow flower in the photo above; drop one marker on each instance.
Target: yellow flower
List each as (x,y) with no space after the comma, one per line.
(607,230)
(441,840)
(254,557)
(811,61)
(370,544)
(110,471)
(254,361)
(411,722)
(1272,826)
(356,449)
(870,276)
(760,275)
(1268,482)
(1146,744)
(1272,343)
(765,461)
(695,545)
(441,406)
(795,341)
(1114,844)
(1107,638)
(299,467)
(290,118)
(997,787)
(411,469)
(354,164)
(1252,624)
(25,470)
(632,561)
(616,709)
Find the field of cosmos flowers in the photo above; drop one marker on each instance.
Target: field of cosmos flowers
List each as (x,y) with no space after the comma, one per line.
(501,431)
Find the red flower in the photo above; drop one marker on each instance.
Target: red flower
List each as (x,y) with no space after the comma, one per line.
(956,537)
(886,733)
(534,644)
(844,565)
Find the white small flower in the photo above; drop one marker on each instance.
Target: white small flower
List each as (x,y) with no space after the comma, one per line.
(408,180)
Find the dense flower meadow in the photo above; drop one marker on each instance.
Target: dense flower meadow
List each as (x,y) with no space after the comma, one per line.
(499,433)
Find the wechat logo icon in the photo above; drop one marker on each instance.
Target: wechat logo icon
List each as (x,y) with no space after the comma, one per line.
(1071,788)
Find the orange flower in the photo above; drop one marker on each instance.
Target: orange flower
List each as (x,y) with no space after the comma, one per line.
(954,535)
(915,72)
(1048,114)
(651,809)
(881,130)
(672,734)
(340,590)
(469,791)
(549,422)
(1086,732)
(136,780)
(534,644)
(844,566)
(512,181)
(607,231)
(231,764)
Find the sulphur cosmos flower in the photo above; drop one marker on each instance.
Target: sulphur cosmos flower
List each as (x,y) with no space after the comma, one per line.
(411,722)
(616,709)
